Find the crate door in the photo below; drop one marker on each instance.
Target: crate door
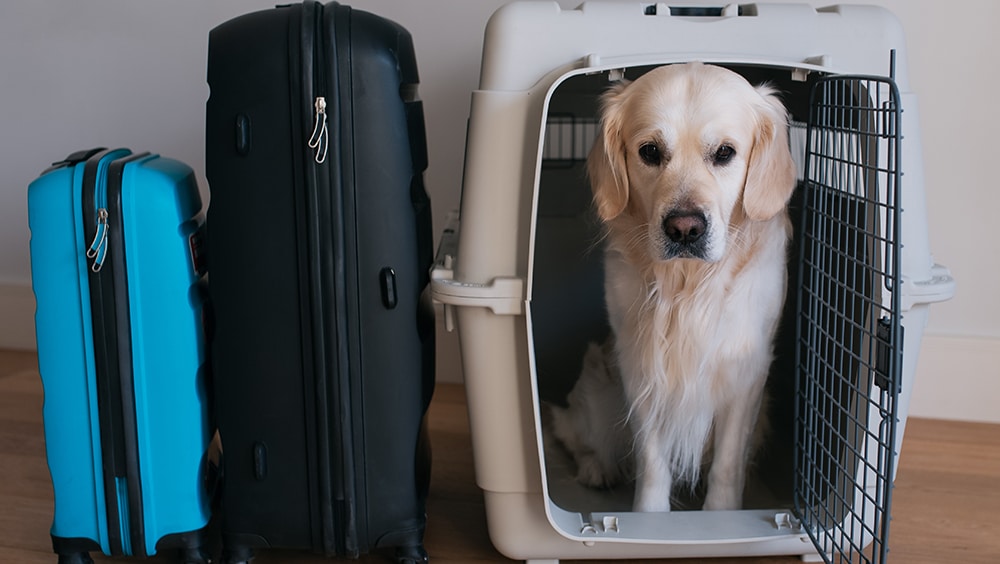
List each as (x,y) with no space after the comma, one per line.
(849,349)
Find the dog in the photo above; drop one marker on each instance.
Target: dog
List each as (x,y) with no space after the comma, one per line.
(691,175)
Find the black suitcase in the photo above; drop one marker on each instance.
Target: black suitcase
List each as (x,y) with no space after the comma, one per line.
(320,239)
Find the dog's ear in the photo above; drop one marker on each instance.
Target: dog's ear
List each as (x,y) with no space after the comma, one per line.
(771,172)
(606,161)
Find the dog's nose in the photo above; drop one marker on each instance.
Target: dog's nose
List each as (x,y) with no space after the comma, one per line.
(684,227)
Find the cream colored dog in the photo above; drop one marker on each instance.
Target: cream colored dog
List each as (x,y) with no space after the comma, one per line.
(691,174)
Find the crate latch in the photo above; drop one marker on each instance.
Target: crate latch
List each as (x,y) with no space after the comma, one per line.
(938,288)
(504,295)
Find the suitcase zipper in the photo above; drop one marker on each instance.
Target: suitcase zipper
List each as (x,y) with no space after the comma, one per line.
(99,247)
(338,527)
(113,352)
(319,138)
(129,482)
(319,141)
(94,200)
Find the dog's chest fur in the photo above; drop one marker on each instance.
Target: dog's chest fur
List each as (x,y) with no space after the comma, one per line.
(689,338)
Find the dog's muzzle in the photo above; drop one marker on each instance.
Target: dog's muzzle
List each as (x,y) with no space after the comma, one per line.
(685,235)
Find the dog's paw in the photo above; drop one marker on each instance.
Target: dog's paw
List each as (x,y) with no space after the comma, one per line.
(717,500)
(593,474)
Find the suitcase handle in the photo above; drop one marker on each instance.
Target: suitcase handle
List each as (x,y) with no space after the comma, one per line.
(74,158)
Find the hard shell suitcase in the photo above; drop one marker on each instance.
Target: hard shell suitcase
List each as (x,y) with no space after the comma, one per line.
(117,274)
(320,229)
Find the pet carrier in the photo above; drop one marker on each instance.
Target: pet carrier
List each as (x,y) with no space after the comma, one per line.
(519,272)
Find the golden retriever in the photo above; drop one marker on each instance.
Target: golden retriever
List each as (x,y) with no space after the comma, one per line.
(691,175)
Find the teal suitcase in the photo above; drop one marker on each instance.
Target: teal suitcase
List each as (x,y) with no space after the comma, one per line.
(118,278)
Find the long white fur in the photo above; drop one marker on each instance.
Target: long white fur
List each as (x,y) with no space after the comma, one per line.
(596,431)
(692,336)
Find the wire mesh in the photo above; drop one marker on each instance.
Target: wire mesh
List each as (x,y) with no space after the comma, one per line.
(567,139)
(849,334)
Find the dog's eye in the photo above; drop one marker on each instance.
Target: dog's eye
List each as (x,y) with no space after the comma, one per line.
(723,154)
(650,154)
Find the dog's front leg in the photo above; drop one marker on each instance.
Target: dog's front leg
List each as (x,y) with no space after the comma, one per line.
(654,477)
(734,427)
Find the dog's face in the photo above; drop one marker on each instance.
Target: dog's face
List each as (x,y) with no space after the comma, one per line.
(685,152)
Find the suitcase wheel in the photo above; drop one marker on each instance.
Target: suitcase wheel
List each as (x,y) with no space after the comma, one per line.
(411,555)
(75,558)
(239,555)
(194,556)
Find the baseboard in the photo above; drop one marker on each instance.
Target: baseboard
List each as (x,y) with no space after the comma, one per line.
(17,317)
(957,378)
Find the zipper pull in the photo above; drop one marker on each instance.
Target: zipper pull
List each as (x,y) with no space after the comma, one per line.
(318,140)
(99,247)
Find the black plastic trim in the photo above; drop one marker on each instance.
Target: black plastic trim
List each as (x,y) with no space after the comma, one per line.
(117,255)
(304,53)
(105,355)
(64,546)
(74,158)
(337,58)
(188,540)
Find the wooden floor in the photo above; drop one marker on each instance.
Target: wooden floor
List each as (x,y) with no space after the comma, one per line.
(946,505)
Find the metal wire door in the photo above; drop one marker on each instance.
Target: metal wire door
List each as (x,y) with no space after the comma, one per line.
(849,350)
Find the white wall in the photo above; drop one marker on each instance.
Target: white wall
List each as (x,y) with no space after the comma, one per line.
(119,72)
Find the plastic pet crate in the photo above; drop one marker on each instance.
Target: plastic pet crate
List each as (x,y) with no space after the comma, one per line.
(519,273)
